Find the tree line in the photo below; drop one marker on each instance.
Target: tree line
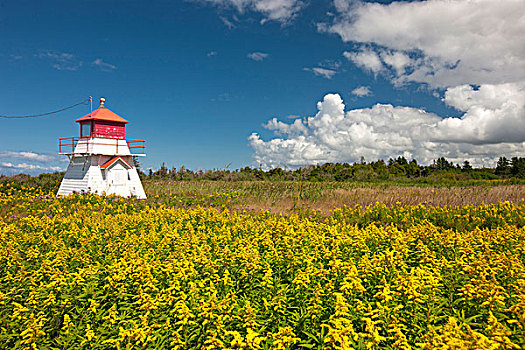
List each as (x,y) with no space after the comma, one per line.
(394,168)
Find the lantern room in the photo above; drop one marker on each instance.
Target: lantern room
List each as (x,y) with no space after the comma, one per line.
(102,132)
(102,123)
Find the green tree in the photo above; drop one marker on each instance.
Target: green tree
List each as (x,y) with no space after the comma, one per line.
(443,164)
(503,167)
(466,166)
(518,167)
(413,169)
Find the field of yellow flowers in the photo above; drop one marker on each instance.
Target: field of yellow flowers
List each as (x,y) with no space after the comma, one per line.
(104,272)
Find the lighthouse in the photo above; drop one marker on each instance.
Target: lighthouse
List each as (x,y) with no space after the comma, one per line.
(101,159)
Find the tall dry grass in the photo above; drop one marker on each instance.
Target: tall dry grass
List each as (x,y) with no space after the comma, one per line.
(291,197)
(363,196)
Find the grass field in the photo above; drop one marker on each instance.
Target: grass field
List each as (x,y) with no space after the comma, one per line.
(264,265)
(297,197)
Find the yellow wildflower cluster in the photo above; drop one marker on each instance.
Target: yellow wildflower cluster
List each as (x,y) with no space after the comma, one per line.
(101,272)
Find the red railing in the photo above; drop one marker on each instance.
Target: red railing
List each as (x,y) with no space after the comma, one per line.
(133,145)
(136,144)
(72,142)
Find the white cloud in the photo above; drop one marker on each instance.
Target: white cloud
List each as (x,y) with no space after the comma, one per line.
(322,72)
(330,64)
(69,62)
(397,60)
(272,10)
(342,5)
(493,114)
(278,10)
(384,131)
(39,157)
(211,53)
(32,156)
(8,168)
(61,60)
(452,42)
(257,56)
(35,163)
(280,128)
(473,50)
(227,22)
(104,65)
(25,166)
(362,91)
(366,59)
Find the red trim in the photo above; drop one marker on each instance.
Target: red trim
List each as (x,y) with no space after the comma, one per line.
(112,161)
(72,142)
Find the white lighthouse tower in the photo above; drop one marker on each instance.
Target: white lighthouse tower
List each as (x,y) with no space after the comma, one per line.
(101,160)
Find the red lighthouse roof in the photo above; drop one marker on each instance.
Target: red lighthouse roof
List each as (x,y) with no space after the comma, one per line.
(102,113)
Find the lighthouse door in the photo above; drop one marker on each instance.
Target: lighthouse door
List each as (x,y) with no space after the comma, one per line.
(118,181)
(120,177)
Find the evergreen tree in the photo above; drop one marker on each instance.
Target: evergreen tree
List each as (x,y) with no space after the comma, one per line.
(518,167)
(163,171)
(502,167)
(443,164)
(413,169)
(466,166)
(402,161)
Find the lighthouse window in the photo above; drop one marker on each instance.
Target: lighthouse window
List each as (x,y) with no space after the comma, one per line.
(86,130)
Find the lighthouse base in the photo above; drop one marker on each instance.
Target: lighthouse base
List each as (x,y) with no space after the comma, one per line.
(102,174)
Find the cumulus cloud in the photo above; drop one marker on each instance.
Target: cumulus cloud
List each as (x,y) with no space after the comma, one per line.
(322,72)
(272,10)
(493,114)
(362,91)
(472,50)
(280,128)
(257,56)
(443,42)
(384,131)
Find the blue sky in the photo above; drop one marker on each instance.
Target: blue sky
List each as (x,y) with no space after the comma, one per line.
(201,81)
